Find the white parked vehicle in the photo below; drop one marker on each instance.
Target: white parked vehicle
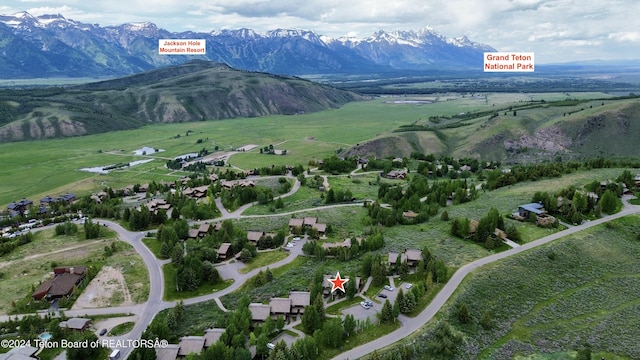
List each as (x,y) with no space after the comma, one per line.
(408,286)
(388,287)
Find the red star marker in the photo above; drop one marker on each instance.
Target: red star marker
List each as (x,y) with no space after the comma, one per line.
(338,283)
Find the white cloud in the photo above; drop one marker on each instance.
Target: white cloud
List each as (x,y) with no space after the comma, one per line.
(627,36)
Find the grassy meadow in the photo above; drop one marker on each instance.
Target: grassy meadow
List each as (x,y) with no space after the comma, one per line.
(34,169)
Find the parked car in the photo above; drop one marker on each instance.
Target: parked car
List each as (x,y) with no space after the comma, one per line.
(388,287)
(365,304)
(382,296)
(408,286)
(103,331)
(271,346)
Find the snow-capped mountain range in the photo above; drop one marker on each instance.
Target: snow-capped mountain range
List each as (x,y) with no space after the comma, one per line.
(52,45)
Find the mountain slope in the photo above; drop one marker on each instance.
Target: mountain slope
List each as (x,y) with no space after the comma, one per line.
(530,132)
(194,91)
(51,45)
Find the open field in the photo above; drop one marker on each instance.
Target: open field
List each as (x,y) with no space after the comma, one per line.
(34,169)
(553,299)
(171,293)
(264,258)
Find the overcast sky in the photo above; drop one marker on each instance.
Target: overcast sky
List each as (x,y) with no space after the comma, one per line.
(555,30)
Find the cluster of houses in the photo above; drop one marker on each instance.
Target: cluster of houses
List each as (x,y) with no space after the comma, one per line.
(299,225)
(189,345)
(291,306)
(21,207)
(64,280)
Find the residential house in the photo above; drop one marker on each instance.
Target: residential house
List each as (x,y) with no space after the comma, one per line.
(199,192)
(78,324)
(19,207)
(190,345)
(193,233)
(295,223)
(320,228)
(200,232)
(167,352)
(526,210)
(309,221)
(242,183)
(393,258)
(413,256)
(21,353)
(299,300)
(62,284)
(279,306)
(259,312)
(212,335)
(396,174)
(224,251)
(47,201)
(542,218)
(67,198)
(326,284)
(254,236)
(158,204)
(410,256)
(204,230)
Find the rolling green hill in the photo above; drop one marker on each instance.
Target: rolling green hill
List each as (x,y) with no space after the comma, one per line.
(521,132)
(195,91)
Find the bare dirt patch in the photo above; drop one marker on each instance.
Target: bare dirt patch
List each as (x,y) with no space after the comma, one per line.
(108,288)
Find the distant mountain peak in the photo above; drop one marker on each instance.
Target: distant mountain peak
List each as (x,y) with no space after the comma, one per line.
(53,49)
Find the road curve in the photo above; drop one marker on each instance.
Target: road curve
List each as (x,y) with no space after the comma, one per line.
(410,325)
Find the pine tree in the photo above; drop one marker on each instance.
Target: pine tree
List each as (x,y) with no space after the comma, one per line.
(386,315)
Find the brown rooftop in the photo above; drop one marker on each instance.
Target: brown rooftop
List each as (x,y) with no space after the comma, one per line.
(259,312)
(224,248)
(190,344)
(254,235)
(280,305)
(294,222)
(309,220)
(300,298)
(211,336)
